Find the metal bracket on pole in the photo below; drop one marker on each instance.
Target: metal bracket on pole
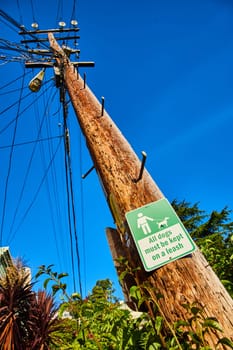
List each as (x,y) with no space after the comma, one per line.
(102,108)
(88,172)
(84,80)
(144,155)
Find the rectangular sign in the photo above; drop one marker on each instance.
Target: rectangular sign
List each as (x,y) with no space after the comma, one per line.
(159,234)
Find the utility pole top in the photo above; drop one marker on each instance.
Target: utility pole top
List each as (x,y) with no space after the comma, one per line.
(41,54)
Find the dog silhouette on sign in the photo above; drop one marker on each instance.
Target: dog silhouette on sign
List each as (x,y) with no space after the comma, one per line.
(163,223)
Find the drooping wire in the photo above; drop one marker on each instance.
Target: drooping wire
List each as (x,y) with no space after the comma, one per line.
(38,190)
(31,142)
(70,194)
(69,218)
(59,10)
(12,91)
(14,103)
(26,178)
(24,110)
(33,12)
(22,98)
(82,215)
(64,108)
(12,46)
(10,164)
(9,19)
(12,21)
(47,102)
(73,13)
(75,226)
(20,13)
(14,80)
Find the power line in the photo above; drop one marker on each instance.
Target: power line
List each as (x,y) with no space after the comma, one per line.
(73,13)
(69,216)
(37,192)
(17,25)
(33,12)
(19,11)
(15,103)
(26,108)
(74,221)
(70,193)
(14,80)
(66,151)
(24,54)
(47,102)
(9,19)
(26,176)
(12,91)
(82,212)
(9,166)
(30,142)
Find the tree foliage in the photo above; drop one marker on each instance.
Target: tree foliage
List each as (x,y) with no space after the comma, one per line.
(214,236)
(100,322)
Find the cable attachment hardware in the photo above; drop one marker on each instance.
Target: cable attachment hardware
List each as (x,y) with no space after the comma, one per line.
(67,141)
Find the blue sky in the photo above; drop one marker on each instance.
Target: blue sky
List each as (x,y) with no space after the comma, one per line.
(165,70)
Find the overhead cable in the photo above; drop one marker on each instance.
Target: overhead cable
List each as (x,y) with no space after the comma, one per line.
(14,80)
(26,108)
(9,167)
(19,11)
(37,191)
(27,173)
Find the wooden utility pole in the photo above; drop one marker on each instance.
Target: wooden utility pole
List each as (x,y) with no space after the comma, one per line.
(187,280)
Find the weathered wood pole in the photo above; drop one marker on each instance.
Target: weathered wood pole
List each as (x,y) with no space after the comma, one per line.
(187,280)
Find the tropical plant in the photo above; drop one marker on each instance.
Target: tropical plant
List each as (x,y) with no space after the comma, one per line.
(44,323)
(28,320)
(15,301)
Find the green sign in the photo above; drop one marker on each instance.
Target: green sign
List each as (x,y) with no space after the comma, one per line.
(159,234)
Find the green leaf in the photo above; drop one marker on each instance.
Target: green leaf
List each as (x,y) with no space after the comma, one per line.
(226,341)
(46,282)
(180,323)
(63,286)
(122,275)
(49,267)
(212,323)
(196,339)
(154,346)
(76,296)
(195,310)
(158,324)
(61,275)
(41,267)
(55,288)
(135,292)
(41,271)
